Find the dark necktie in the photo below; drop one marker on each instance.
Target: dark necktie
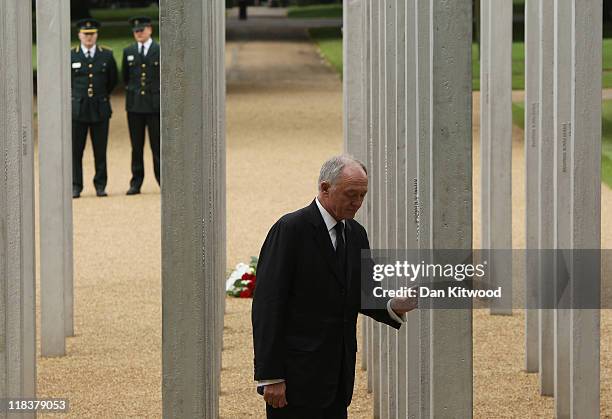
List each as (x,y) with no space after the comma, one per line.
(88,55)
(142,54)
(340,245)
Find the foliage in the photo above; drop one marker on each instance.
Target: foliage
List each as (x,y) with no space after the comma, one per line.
(123,14)
(80,9)
(241,282)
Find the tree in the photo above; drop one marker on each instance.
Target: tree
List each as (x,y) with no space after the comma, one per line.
(607,11)
(79,9)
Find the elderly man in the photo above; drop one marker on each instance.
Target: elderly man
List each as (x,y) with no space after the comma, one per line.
(307,299)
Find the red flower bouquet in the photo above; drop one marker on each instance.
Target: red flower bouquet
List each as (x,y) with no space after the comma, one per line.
(241,282)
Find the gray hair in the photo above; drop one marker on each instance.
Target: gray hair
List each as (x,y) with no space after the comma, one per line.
(332,168)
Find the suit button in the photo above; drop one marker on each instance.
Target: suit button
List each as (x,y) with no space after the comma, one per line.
(90,75)
(143,84)
(142,93)
(90,65)
(144,74)
(144,66)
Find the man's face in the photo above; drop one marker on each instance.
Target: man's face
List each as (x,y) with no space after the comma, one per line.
(344,198)
(143,35)
(88,39)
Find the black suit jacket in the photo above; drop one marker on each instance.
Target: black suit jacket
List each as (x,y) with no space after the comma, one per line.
(142,79)
(304,313)
(93,80)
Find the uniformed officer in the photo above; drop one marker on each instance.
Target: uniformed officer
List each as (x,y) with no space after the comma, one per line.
(94,76)
(141,78)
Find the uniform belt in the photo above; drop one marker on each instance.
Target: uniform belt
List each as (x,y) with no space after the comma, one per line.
(95,96)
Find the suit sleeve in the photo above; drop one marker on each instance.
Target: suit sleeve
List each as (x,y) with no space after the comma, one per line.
(380,315)
(125,70)
(112,74)
(275,271)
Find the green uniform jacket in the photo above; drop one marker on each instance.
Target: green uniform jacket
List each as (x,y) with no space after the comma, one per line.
(141,78)
(93,80)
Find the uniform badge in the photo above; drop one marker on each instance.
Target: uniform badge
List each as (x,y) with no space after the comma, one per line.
(130,58)
(76,65)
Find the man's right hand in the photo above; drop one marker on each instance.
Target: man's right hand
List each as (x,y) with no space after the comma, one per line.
(274,394)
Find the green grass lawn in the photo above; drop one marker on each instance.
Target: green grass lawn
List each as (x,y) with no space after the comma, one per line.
(606,143)
(123,14)
(331,10)
(518,66)
(518,117)
(315,11)
(330,43)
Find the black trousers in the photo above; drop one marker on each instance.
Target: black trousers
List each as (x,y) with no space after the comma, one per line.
(336,410)
(137,122)
(99,140)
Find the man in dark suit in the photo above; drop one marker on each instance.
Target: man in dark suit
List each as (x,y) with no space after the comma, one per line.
(307,298)
(141,78)
(94,76)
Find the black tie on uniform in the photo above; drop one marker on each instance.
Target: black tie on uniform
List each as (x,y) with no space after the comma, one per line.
(141,52)
(88,55)
(340,245)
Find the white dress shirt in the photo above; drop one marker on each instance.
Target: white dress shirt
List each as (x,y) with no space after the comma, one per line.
(330,223)
(92,51)
(147,45)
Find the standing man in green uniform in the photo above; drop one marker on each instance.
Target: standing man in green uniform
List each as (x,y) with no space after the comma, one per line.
(141,78)
(94,76)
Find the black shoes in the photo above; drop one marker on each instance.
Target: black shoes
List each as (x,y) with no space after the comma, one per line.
(77,194)
(133,191)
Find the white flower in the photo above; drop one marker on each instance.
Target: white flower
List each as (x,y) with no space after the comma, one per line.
(237,273)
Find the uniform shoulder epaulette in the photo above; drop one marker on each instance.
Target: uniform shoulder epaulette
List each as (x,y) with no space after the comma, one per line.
(104,47)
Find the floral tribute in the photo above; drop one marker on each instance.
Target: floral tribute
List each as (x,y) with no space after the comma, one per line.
(241,282)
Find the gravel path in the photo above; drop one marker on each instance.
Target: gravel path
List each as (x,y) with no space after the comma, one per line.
(284,117)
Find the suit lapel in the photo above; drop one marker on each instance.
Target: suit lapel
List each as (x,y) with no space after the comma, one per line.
(324,242)
(153,50)
(81,55)
(96,56)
